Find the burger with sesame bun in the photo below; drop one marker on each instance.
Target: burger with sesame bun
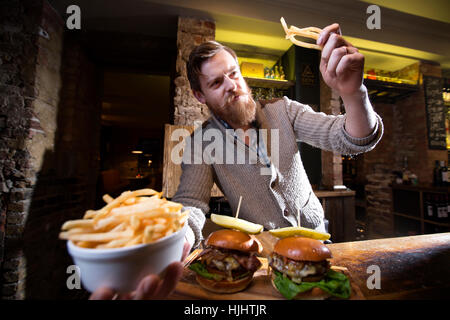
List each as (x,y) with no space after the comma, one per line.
(228,262)
(300,269)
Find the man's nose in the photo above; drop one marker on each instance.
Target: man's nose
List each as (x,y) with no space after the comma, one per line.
(230,84)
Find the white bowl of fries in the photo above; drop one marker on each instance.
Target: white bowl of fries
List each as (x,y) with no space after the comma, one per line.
(136,234)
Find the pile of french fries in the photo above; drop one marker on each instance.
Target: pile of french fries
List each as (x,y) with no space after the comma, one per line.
(135,217)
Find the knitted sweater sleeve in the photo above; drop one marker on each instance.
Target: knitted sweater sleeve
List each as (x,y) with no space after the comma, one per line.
(194,190)
(327,132)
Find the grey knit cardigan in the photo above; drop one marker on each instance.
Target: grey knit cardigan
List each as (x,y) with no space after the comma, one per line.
(273,198)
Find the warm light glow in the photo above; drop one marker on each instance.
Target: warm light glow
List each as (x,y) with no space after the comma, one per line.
(136,152)
(266,63)
(394,54)
(377,54)
(252,39)
(256,40)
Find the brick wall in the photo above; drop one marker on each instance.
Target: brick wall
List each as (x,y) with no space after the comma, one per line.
(405,136)
(49,152)
(191,32)
(18,55)
(377,167)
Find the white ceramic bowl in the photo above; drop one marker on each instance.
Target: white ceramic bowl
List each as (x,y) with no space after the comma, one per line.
(122,268)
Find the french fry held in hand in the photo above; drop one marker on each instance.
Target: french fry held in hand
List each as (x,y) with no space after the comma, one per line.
(135,217)
(310,32)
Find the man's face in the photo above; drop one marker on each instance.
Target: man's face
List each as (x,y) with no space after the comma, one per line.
(225,91)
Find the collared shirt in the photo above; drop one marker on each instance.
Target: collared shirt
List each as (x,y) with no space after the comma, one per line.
(259,148)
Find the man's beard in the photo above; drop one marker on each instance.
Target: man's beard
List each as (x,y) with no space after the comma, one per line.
(237,113)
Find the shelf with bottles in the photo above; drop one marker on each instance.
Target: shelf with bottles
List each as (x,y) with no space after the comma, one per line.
(389,79)
(440,174)
(436,208)
(420,209)
(407,75)
(269,83)
(390,86)
(388,92)
(261,76)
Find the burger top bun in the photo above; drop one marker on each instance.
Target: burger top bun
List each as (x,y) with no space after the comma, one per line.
(302,249)
(235,240)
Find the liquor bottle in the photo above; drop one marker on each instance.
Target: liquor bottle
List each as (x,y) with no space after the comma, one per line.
(266,72)
(448,206)
(445,208)
(405,171)
(282,75)
(429,207)
(435,204)
(277,73)
(444,173)
(439,207)
(437,176)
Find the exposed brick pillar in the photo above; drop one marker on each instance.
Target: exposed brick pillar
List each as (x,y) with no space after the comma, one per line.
(191,32)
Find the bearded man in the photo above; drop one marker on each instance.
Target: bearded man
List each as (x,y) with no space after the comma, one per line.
(275,187)
(272,198)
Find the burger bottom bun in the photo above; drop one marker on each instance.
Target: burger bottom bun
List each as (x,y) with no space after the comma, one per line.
(313,294)
(224,286)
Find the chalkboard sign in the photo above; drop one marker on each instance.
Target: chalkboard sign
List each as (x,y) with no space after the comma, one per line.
(436,111)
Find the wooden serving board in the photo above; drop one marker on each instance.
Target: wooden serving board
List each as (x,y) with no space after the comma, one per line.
(259,289)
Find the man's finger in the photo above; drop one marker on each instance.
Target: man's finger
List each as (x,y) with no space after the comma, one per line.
(334,41)
(351,49)
(147,287)
(173,274)
(354,61)
(324,35)
(102,294)
(335,57)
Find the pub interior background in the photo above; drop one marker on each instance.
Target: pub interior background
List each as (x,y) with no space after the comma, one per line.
(83,113)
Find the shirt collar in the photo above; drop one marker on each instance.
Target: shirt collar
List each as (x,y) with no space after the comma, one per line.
(254,124)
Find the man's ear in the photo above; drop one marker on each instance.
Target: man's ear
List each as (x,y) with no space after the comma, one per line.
(199,95)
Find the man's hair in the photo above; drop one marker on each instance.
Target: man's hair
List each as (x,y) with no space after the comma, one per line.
(200,54)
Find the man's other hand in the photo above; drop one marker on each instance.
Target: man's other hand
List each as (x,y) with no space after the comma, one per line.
(152,287)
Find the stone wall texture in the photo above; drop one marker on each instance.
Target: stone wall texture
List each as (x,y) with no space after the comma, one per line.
(191,32)
(18,57)
(49,147)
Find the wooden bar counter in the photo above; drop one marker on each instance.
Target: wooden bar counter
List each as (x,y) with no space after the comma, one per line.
(415,267)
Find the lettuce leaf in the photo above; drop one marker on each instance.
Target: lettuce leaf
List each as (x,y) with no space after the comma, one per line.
(200,269)
(334,283)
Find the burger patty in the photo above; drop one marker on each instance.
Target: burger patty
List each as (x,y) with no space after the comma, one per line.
(230,262)
(299,271)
